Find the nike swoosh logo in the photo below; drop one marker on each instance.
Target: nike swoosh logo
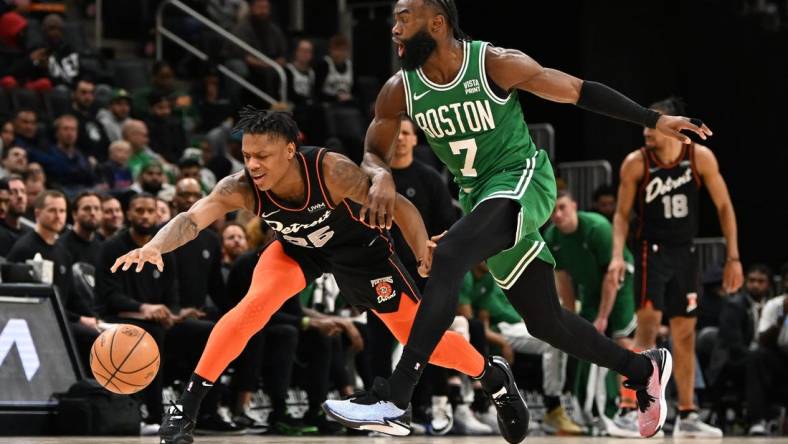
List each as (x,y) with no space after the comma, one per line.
(269,214)
(418,96)
(205,384)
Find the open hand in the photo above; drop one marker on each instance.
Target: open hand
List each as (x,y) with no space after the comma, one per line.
(673,125)
(139,256)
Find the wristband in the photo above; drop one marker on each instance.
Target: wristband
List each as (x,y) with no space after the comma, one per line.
(305,322)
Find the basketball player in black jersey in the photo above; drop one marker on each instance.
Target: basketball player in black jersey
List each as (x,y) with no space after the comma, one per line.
(311,199)
(662,180)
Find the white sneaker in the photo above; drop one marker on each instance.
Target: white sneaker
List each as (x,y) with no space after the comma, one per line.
(693,427)
(490,419)
(442,416)
(149,429)
(624,426)
(467,424)
(758,429)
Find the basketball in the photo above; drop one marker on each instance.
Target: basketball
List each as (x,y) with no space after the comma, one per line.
(124,359)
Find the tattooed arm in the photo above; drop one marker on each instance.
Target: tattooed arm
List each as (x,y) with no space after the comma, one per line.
(231,193)
(346,180)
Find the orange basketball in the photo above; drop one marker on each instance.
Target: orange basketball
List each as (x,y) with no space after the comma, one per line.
(124,359)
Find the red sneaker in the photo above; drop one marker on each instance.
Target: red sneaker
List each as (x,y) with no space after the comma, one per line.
(651,397)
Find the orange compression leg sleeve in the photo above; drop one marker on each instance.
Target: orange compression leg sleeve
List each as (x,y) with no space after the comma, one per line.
(276,278)
(453,351)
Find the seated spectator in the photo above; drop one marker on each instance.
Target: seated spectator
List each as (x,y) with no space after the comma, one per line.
(50,219)
(118,112)
(135,132)
(768,364)
(65,163)
(81,240)
(153,181)
(262,34)
(149,299)
(112,218)
(213,104)
(12,32)
(7,135)
(14,225)
(163,83)
(215,162)
(736,339)
(166,131)
(163,212)
(226,13)
(35,183)
(300,75)
(26,131)
(14,160)
(115,172)
(604,201)
(335,72)
(91,136)
(7,240)
(200,260)
(191,166)
(234,244)
(56,63)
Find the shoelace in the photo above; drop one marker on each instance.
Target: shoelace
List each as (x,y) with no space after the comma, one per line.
(641,393)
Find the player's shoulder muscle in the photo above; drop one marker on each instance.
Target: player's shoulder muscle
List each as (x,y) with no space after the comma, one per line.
(508,67)
(235,190)
(632,167)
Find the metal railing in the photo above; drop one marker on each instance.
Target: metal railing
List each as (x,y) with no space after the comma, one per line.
(161,31)
(584,177)
(543,135)
(711,251)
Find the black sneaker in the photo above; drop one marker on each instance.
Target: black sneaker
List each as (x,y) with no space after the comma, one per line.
(324,425)
(512,411)
(251,425)
(215,424)
(287,425)
(176,427)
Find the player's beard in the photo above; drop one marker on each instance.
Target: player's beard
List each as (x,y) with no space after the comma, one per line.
(144,230)
(417,49)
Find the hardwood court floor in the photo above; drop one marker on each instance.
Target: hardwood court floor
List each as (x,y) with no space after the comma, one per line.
(359,440)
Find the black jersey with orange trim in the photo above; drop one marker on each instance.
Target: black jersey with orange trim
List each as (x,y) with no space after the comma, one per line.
(667,200)
(328,237)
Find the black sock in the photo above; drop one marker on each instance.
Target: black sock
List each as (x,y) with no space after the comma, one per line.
(492,378)
(195,391)
(455,395)
(405,377)
(637,367)
(551,403)
(684,413)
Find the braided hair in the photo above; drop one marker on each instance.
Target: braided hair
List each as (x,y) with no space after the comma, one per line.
(448,9)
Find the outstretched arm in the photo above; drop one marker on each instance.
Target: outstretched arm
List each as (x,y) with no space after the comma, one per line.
(510,68)
(709,171)
(231,193)
(378,151)
(345,180)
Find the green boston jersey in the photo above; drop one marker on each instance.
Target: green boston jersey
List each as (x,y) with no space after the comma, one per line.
(585,254)
(472,130)
(484,294)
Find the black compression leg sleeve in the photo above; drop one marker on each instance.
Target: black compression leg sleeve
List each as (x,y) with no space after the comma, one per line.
(484,232)
(534,296)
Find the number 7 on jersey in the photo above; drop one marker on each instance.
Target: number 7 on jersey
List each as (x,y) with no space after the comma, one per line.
(457,146)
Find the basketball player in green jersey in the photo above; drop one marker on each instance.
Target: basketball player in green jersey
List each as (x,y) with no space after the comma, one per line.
(463,95)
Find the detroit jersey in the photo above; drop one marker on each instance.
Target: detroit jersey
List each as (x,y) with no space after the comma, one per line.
(667,202)
(327,237)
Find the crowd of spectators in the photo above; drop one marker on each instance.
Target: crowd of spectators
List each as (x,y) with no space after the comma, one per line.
(85,179)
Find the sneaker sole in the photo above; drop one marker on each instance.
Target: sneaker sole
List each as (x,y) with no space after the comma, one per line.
(392,427)
(667,370)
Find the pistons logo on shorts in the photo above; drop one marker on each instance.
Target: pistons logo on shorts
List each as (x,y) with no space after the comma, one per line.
(383,288)
(692,301)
